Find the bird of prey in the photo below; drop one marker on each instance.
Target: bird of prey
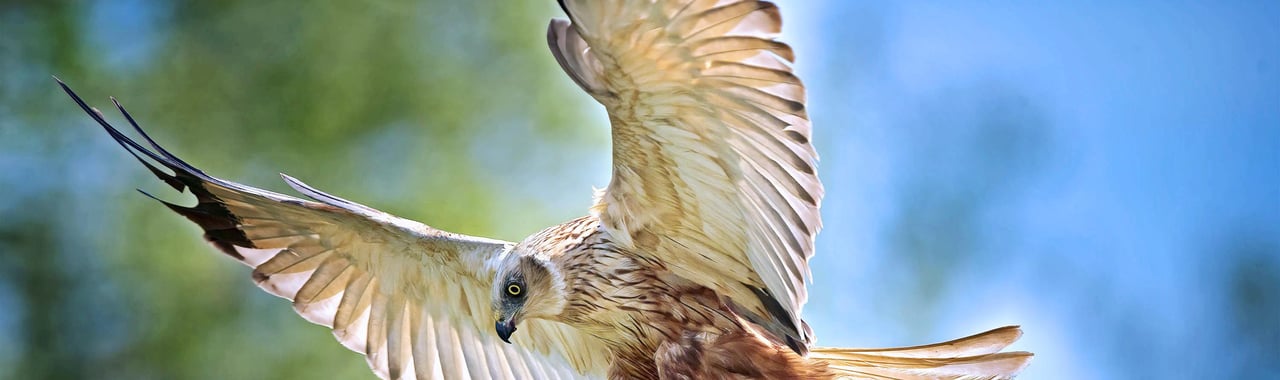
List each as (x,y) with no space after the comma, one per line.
(692,263)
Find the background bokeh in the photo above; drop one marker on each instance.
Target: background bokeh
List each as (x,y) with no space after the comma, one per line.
(1105,175)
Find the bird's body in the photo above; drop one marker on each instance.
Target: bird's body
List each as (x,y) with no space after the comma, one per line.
(692,264)
(651,320)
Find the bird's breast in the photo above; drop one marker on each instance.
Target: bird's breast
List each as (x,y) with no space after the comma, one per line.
(635,305)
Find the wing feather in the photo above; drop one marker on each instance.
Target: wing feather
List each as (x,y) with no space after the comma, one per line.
(711,141)
(413,299)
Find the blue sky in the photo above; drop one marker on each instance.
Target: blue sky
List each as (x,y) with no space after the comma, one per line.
(1152,135)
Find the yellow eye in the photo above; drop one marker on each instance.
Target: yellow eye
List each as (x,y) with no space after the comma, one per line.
(514,290)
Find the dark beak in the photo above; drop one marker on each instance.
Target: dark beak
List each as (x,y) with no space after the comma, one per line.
(504,329)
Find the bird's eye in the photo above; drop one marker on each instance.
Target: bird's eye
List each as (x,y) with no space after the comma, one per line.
(514,290)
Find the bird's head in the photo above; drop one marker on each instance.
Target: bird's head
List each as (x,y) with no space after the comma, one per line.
(527,286)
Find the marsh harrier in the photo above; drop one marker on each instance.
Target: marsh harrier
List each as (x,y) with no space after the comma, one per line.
(692,263)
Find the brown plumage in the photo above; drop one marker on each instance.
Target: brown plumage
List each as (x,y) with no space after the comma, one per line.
(692,264)
(656,324)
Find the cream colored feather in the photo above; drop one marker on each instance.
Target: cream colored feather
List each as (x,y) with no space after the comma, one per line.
(415,300)
(713,172)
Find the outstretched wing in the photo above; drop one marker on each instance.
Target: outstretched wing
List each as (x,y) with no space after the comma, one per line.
(413,299)
(713,172)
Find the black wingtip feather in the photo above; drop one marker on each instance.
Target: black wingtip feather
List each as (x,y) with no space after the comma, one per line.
(173,160)
(129,145)
(222,227)
(219,224)
(225,247)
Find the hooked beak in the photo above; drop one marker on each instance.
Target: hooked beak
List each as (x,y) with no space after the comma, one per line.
(505,328)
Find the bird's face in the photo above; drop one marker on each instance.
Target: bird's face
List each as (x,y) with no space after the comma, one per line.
(526,287)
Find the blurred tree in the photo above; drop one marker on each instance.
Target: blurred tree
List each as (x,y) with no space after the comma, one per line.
(1251,282)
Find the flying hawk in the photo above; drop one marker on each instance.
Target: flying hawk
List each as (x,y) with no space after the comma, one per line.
(692,264)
